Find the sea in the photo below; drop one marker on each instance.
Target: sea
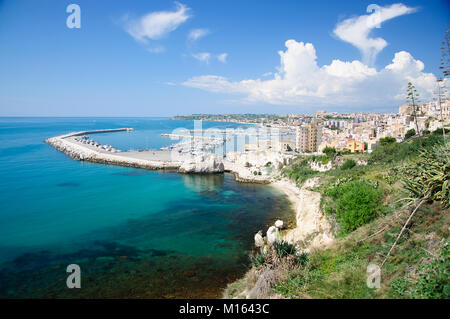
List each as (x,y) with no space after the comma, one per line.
(133,233)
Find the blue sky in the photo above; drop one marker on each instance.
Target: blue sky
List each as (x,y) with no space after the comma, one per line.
(137,58)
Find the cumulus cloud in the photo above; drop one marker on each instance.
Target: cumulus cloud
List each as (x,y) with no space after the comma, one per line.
(196,34)
(222,57)
(203,56)
(301,81)
(357,30)
(156,25)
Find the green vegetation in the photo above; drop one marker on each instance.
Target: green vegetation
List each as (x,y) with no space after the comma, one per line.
(387,140)
(284,249)
(257,259)
(440,131)
(349,164)
(433,281)
(399,152)
(300,171)
(321,158)
(329,151)
(410,133)
(354,203)
(429,177)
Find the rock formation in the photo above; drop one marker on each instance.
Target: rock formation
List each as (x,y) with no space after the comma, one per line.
(202,164)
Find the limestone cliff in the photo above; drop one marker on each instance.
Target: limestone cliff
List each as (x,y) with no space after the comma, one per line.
(313,230)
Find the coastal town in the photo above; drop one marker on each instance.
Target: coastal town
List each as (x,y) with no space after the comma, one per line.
(352,132)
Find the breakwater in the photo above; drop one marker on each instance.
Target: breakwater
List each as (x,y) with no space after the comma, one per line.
(69,145)
(77,146)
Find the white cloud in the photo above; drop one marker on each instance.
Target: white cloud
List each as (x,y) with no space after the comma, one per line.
(301,81)
(196,34)
(222,57)
(203,57)
(357,30)
(156,25)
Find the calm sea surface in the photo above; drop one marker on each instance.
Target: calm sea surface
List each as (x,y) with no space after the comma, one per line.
(134,233)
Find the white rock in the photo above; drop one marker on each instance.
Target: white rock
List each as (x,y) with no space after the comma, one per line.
(279,224)
(259,240)
(204,164)
(272,234)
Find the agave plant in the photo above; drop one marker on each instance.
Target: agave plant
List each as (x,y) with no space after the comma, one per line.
(428,177)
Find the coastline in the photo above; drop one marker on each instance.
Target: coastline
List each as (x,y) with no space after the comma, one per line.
(313,230)
(290,190)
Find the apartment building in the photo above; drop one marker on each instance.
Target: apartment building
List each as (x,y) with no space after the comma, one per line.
(308,137)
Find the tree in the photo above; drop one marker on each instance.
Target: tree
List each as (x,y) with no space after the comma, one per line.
(329,151)
(387,140)
(445,68)
(410,133)
(412,98)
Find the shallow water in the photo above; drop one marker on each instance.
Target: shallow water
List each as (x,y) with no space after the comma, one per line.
(134,233)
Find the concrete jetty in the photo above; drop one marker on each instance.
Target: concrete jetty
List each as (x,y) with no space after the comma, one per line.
(73,146)
(77,146)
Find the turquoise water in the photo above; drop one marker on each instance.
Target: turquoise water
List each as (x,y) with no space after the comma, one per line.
(135,233)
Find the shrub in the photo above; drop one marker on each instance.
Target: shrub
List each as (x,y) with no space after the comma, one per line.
(257,260)
(329,151)
(387,140)
(284,248)
(439,131)
(302,259)
(349,164)
(358,202)
(299,171)
(410,133)
(396,152)
(429,176)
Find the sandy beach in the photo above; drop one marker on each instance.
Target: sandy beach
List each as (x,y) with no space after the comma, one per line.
(290,189)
